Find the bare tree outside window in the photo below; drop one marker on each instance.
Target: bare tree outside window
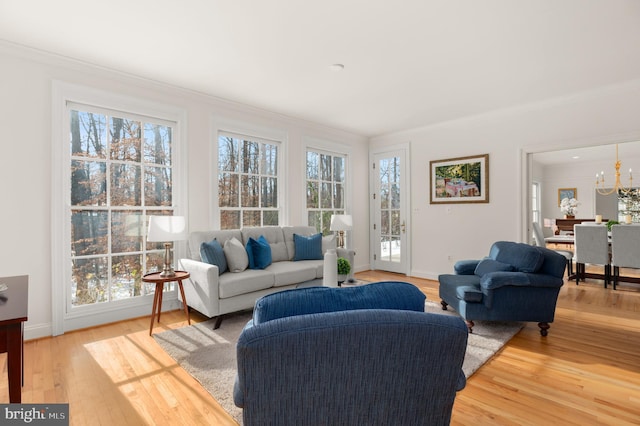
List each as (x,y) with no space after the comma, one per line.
(389,175)
(325,188)
(121,171)
(247,182)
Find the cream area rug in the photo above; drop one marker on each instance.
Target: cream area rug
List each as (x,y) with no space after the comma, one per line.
(210,355)
(487,339)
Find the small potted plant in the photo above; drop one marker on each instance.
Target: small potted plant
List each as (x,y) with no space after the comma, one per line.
(611,223)
(344,267)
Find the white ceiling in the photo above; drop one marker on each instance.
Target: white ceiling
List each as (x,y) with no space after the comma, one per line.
(408,63)
(592,154)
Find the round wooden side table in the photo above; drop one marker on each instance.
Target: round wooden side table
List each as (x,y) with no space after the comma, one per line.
(154,277)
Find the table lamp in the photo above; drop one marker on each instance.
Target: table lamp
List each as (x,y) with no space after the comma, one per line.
(341,223)
(167,229)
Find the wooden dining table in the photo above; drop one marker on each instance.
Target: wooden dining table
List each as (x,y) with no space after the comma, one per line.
(560,239)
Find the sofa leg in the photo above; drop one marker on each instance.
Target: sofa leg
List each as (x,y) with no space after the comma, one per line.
(470,326)
(544,326)
(219,319)
(444,305)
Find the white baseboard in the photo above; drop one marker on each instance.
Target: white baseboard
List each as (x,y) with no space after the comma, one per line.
(38,331)
(425,275)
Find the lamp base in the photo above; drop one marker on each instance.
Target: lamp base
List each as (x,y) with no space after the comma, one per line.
(167,270)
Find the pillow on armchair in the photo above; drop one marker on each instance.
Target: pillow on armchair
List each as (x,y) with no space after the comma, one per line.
(523,257)
(489,265)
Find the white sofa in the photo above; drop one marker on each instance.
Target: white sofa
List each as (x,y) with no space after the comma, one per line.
(215,295)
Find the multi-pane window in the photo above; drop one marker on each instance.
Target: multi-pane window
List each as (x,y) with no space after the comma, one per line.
(535,202)
(247,181)
(325,188)
(121,172)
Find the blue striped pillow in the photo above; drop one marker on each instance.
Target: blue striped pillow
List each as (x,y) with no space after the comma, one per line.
(213,254)
(307,248)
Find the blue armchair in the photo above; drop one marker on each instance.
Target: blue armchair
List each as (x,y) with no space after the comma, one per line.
(516,282)
(349,356)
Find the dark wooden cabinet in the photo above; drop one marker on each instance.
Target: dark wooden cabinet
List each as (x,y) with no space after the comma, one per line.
(14,296)
(566,225)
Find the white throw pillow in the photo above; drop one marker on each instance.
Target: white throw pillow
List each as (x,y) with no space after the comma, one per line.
(236,254)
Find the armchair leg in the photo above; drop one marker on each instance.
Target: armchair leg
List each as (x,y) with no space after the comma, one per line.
(444,305)
(544,326)
(470,326)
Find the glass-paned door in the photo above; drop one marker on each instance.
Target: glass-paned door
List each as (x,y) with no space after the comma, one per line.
(390,212)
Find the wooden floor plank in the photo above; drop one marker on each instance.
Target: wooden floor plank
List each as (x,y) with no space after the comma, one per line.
(586,371)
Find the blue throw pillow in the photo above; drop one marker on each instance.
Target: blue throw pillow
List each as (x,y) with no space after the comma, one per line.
(489,265)
(213,254)
(307,248)
(523,257)
(259,252)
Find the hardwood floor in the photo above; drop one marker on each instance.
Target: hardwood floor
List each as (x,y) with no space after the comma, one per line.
(585,372)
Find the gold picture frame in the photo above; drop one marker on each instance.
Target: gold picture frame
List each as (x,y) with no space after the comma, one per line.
(567,193)
(460,180)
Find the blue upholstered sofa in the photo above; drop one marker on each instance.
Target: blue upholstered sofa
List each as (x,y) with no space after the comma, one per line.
(366,355)
(516,282)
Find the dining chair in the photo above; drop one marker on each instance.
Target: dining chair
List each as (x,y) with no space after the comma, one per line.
(538,237)
(591,246)
(625,249)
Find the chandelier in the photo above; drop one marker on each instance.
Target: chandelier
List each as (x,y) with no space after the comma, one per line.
(617,187)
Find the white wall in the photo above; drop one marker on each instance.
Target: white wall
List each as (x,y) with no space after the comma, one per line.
(26,161)
(468,230)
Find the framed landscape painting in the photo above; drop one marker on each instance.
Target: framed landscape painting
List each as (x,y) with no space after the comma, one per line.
(460,180)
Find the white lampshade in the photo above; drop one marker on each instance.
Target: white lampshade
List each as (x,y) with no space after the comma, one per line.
(166,228)
(341,222)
